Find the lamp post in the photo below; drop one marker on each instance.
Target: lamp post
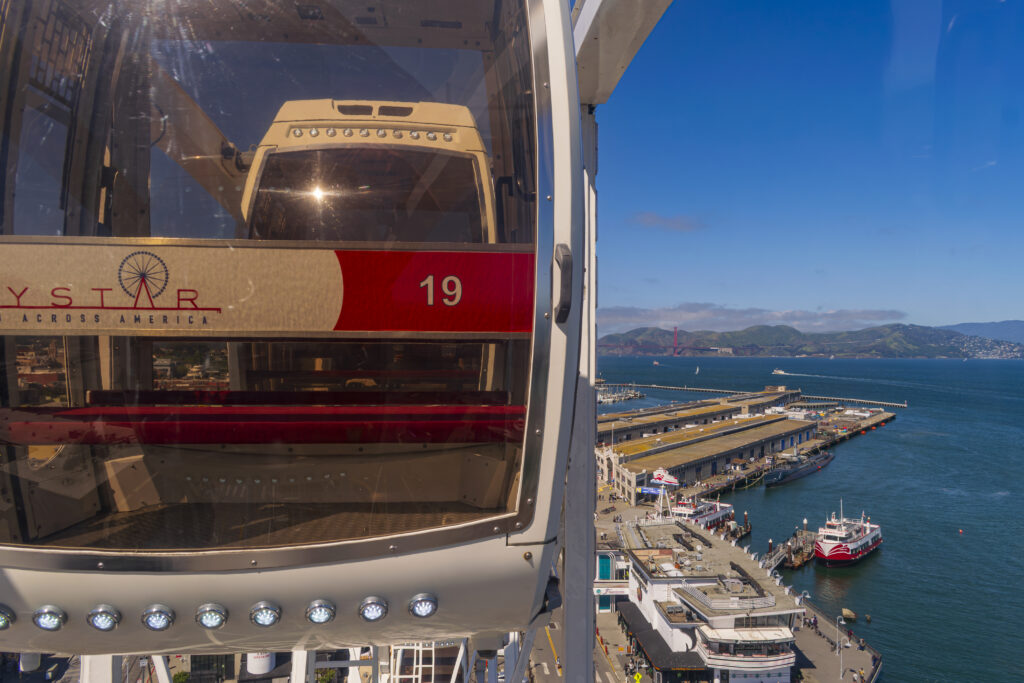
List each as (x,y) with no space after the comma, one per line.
(839,645)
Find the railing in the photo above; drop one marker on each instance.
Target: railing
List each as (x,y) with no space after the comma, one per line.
(744,661)
(728,603)
(876,656)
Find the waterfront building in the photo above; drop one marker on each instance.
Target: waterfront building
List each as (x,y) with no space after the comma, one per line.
(631,426)
(703,454)
(611,579)
(697,608)
(636,427)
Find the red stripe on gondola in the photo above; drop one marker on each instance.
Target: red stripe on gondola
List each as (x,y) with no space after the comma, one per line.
(436,291)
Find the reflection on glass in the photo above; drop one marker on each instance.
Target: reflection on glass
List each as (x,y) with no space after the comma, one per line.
(117,440)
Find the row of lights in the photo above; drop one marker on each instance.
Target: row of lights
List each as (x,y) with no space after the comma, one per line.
(365,133)
(159,617)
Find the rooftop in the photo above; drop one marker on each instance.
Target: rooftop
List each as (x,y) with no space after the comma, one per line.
(626,421)
(656,410)
(684,434)
(704,449)
(714,576)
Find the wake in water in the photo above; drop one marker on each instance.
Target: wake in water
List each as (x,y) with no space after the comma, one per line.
(872,380)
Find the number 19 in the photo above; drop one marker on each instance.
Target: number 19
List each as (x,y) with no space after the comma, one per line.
(451,289)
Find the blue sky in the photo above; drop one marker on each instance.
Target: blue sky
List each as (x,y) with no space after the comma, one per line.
(828,165)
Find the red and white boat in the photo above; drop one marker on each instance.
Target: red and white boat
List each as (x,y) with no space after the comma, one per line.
(843,540)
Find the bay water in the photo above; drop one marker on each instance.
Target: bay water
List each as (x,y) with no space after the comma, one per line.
(945,480)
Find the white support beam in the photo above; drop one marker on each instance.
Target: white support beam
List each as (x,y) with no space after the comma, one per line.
(522,660)
(163,671)
(301,669)
(608,34)
(101,669)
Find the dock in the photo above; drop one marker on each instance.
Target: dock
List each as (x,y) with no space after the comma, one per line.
(799,549)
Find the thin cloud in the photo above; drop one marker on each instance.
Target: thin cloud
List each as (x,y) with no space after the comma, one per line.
(650,219)
(987,164)
(717,318)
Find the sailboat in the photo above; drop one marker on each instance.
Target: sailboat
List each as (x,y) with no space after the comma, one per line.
(698,370)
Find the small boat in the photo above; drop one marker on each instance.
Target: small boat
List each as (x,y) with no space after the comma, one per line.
(698,370)
(843,541)
(705,513)
(794,468)
(657,363)
(776,371)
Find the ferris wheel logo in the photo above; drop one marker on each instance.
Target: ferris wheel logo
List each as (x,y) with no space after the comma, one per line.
(143,276)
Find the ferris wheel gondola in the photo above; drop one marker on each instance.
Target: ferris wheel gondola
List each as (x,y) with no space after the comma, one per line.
(319,392)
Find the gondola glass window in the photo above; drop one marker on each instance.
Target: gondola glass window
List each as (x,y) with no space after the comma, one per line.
(268,270)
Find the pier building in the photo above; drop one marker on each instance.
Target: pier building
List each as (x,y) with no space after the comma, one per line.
(703,455)
(699,609)
(632,427)
(628,426)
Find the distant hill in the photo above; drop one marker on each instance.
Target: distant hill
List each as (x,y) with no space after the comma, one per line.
(1007,330)
(886,341)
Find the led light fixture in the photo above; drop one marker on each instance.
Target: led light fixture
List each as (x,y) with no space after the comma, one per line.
(423,605)
(158,617)
(313,132)
(6,617)
(431,136)
(265,613)
(320,612)
(373,608)
(297,132)
(49,618)
(447,137)
(211,615)
(103,618)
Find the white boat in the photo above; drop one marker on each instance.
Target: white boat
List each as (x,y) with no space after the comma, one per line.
(776,371)
(703,513)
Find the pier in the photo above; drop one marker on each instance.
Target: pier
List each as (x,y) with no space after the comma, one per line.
(856,401)
(707,390)
(702,390)
(662,551)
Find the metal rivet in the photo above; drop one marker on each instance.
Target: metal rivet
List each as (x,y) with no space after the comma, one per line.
(99,565)
(547,315)
(549,198)
(527,556)
(529,501)
(537,431)
(519,525)
(252,563)
(497,529)
(392,548)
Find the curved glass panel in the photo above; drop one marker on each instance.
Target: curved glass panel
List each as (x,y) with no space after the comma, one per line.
(268,275)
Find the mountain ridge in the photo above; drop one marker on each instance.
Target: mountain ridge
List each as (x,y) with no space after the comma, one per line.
(897,340)
(1004,330)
